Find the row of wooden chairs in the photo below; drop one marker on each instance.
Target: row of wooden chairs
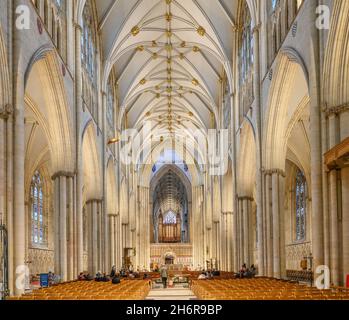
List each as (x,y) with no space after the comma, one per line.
(263,289)
(85,290)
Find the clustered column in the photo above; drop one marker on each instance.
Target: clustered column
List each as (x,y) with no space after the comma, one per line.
(64,222)
(274,220)
(244,226)
(338,180)
(143,246)
(94,235)
(198,228)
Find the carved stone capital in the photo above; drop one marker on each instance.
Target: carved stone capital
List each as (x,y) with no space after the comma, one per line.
(6,111)
(256,28)
(63,174)
(270,172)
(78,27)
(334,111)
(245,198)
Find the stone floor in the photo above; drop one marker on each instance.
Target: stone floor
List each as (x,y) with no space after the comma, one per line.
(171,294)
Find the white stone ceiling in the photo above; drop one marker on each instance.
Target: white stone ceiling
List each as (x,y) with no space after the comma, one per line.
(170,57)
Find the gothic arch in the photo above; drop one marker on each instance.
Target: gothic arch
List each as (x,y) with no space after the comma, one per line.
(165,169)
(287,93)
(50,107)
(336,73)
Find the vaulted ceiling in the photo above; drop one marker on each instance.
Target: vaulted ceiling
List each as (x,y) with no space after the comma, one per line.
(170,57)
(170,194)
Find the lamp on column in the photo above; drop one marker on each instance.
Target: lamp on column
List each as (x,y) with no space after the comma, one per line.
(115,139)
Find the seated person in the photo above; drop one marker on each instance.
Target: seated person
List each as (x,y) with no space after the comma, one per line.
(116,279)
(104,278)
(243,271)
(98,276)
(123,273)
(81,277)
(202,276)
(137,275)
(145,276)
(131,275)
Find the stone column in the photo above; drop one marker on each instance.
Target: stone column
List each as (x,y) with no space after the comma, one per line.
(334,240)
(63,204)
(79,169)
(93,208)
(57,250)
(63,226)
(276,225)
(345,222)
(245,223)
(344,133)
(241,234)
(235,241)
(19,228)
(259,176)
(315,143)
(118,244)
(70,215)
(6,181)
(269,227)
(112,239)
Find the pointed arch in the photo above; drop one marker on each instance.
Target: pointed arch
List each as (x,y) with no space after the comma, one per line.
(50,106)
(287,93)
(336,73)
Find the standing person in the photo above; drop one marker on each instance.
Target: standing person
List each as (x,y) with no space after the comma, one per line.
(113,272)
(164,276)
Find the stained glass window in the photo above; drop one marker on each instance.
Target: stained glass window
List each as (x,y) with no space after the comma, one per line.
(170,218)
(110,105)
(37,210)
(273,4)
(246,45)
(88,41)
(301,203)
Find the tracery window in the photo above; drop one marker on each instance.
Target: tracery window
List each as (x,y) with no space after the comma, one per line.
(38,217)
(246,60)
(246,45)
(110,105)
(89,59)
(301,205)
(170,218)
(88,41)
(273,4)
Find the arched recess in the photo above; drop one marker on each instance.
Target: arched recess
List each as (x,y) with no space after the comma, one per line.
(336,76)
(247,161)
(287,96)
(188,190)
(49,145)
(91,164)
(285,140)
(183,152)
(156,178)
(45,95)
